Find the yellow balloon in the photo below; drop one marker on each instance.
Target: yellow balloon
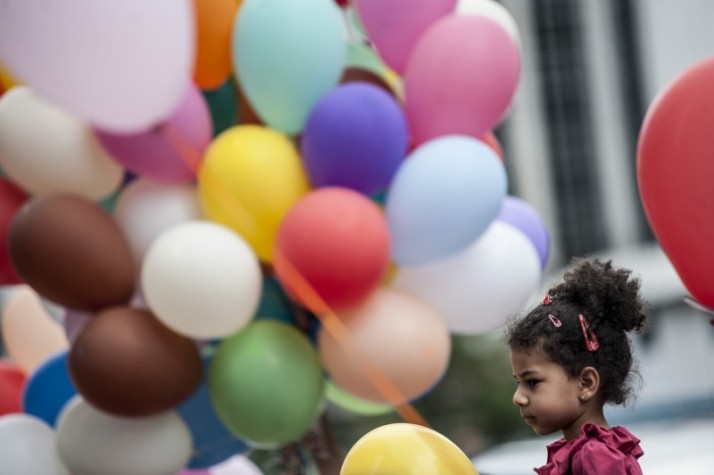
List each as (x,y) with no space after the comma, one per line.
(406,449)
(250,177)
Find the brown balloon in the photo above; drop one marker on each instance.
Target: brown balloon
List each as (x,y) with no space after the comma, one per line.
(352,74)
(72,252)
(127,363)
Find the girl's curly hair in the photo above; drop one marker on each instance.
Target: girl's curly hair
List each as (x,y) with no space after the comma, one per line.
(610,300)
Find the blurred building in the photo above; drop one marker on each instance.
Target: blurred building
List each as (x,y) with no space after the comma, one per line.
(590,69)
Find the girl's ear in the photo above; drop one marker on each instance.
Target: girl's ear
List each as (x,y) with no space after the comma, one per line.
(589,381)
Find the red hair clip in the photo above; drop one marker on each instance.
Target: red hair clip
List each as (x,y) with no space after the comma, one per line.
(555,321)
(591,342)
(547,300)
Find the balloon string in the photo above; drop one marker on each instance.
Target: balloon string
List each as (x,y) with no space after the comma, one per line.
(297,282)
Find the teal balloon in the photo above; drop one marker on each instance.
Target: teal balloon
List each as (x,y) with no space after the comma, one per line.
(364,57)
(443,197)
(223,104)
(287,55)
(274,304)
(266,384)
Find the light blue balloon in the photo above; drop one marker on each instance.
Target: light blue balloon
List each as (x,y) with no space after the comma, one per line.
(443,197)
(287,54)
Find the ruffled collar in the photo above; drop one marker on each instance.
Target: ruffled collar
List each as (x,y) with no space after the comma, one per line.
(560,452)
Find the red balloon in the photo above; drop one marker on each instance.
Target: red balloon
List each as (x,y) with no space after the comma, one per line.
(125,362)
(337,240)
(11,199)
(675,169)
(72,252)
(490,139)
(12,383)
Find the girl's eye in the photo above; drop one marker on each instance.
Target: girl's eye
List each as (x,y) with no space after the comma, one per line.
(532,383)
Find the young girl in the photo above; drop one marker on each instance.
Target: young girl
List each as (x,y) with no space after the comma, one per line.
(571,356)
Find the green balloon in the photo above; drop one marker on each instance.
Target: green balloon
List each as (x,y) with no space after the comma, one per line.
(341,398)
(266,383)
(364,57)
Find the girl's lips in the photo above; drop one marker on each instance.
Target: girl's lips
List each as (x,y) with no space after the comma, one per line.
(530,420)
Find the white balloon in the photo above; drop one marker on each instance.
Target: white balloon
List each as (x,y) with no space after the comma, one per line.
(123,65)
(45,149)
(236,465)
(478,289)
(493,10)
(146,208)
(202,280)
(91,442)
(27,447)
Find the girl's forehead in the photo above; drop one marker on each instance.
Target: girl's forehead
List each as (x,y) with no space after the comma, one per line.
(532,358)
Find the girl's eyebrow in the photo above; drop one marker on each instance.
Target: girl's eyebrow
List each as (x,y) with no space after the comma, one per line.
(525,373)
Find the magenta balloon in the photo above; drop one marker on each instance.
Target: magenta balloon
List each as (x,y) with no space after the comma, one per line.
(394,26)
(484,66)
(170,152)
(521,215)
(355,137)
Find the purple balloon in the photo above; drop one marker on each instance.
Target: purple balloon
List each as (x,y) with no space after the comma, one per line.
(356,137)
(521,215)
(168,152)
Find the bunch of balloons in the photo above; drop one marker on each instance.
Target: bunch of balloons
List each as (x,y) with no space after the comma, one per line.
(184,178)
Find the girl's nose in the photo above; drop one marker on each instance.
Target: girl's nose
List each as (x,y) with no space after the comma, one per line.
(519,399)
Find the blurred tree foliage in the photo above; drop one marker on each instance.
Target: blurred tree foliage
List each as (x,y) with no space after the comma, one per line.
(472,405)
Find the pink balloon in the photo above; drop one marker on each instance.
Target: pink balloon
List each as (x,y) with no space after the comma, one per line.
(171,152)
(461,78)
(394,26)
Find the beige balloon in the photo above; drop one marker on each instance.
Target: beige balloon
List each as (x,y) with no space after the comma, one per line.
(45,149)
(30,334)
(402,338)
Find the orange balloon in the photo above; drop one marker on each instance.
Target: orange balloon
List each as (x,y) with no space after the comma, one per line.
(214,27)
(391,334)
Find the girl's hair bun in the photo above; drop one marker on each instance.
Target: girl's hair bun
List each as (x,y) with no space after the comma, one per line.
(606,294)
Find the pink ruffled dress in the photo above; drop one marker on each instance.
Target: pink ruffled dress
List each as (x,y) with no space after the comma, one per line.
(596,450)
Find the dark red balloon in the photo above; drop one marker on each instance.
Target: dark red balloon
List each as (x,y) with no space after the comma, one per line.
(11,199)
(12,383)
(489,138)
(675,169)
(125,362)
(72,252)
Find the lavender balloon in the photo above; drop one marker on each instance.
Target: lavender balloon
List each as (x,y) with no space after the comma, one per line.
(521,215)
(355,137)
(169,152)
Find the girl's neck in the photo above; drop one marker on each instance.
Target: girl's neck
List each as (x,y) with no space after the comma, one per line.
(592,415)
